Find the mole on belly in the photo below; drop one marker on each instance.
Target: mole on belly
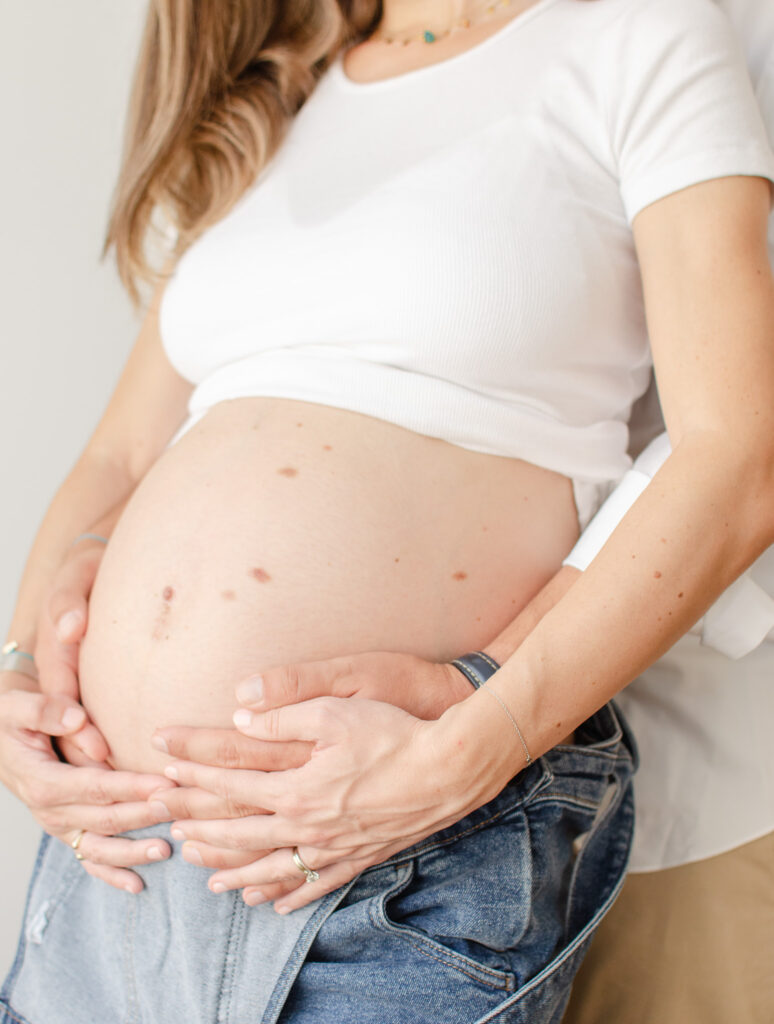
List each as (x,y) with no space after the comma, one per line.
(259,574)
(459,575)
(161,620)
(327,448)
(288,471)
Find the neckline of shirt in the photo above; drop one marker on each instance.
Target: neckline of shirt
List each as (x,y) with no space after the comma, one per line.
(349,84)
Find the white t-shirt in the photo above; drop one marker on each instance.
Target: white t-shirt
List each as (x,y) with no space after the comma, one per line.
(451,249)
(703,722)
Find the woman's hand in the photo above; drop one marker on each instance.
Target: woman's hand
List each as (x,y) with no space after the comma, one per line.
(421,687)
(65,799)
(376,782)
(61,627)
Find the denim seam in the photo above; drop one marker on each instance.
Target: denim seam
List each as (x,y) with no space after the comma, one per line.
(621,780)
(132,1002)
(588,752)
(230,959)
(12,1013)
(298,954)
(566,798)
(458,962)
(10,982)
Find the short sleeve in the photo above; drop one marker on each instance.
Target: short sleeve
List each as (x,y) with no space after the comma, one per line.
(679,102)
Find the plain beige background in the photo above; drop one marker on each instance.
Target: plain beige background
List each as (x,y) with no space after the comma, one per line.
(66,326)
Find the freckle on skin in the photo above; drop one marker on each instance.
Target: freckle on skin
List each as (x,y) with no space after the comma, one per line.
(288,471)
(228,595)
(680,594)
(397,559)
(459,575)
(656,575)
(259,574)
(484,527)
(299,424)
(168,593)
(327,448)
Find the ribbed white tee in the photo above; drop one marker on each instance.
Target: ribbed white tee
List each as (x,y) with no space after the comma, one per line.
(450,249)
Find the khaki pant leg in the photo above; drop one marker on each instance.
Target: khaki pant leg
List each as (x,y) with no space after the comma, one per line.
(688,945)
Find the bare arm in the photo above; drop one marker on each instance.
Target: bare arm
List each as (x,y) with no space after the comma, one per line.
(148,404)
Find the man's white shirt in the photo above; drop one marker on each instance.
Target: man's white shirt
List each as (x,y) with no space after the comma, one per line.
(703,715)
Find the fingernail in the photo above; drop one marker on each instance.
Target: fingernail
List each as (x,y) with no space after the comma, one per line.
(73,717)
(177,833)
(250,691)
(170,771)
(155,853)
(282,910)
(131,889)
(192,855)
(160,810)
(67,623)
(159,743)
(253,899)
(218,887)
(242,718)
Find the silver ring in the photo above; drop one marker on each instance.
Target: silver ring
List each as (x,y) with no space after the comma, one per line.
(77,842)
(311,875)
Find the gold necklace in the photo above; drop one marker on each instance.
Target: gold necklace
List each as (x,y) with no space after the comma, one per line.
(427,36)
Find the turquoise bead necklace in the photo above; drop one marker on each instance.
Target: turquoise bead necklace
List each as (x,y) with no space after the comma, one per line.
(430,37)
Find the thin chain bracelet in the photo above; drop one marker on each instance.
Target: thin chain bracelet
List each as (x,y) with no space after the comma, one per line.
(477,667)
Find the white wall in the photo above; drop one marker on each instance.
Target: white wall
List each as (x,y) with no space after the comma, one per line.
(65,324)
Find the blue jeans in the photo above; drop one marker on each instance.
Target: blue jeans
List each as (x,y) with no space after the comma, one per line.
(484,921)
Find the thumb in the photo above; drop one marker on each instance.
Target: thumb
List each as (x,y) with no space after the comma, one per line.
(68,604)
(313,720)
(68,611)
(290,684)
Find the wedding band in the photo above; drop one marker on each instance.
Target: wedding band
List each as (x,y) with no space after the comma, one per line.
(77,842)
(311,875)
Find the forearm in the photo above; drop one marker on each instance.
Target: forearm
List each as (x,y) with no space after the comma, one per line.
(90,499)
(704,519)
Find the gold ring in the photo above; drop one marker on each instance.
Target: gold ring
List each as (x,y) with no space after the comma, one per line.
(311,875)
(77,842)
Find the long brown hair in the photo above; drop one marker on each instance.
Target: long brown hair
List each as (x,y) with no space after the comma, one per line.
(216,86)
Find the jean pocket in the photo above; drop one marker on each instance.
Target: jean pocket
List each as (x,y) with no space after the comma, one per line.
(467,902)
(429,920)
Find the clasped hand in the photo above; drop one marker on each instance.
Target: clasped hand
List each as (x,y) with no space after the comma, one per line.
(353,781)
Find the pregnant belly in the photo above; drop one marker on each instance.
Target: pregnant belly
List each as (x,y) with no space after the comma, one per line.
(278,531)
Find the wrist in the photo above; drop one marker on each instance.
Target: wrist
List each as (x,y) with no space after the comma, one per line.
(476,750)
